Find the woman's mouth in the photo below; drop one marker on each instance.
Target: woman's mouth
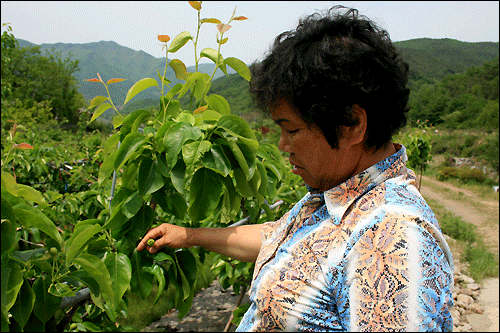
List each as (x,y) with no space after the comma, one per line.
(297,169)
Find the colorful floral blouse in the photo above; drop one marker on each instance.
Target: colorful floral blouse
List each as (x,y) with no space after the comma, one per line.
(367,255)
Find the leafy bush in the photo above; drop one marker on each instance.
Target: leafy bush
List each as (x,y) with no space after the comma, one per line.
(197,167)
(464,174)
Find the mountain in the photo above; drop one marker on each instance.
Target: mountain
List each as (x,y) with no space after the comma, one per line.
(429,60)
(436,58)
(112,60)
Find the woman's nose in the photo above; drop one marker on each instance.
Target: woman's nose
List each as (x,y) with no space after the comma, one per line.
(284,144)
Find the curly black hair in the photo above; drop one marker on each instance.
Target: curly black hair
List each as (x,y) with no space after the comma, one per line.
(330,63)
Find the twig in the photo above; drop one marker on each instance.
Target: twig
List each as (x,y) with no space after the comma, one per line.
(229,322)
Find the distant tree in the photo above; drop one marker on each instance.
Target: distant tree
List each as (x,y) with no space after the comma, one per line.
(464,100)
(417,141)
(32,78)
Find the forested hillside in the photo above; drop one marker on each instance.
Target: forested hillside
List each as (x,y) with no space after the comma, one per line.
(451,82)
(437,58)
(459,101)
(112,60)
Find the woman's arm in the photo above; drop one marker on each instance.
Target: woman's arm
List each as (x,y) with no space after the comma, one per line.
(241,242)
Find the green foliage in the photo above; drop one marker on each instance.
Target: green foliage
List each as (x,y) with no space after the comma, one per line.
(465,174)
(417,141)
(8,45)
(30,77)
(465,100)
(478,146)
(437,58)
(200,166)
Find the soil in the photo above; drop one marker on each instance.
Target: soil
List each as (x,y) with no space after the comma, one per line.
(212,306)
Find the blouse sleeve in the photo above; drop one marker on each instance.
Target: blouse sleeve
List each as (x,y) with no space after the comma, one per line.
(399,277)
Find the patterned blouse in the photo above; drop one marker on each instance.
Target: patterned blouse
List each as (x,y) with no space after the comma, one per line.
(367,255)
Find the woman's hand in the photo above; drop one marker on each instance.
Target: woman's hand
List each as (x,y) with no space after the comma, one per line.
(241,242)
(166,234)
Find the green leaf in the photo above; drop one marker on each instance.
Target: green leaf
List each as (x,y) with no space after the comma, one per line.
(217,160)
(236,126)
(106,168)
(81,235)
(201,86)
(215,56)
(179,41)
(173,204)
(179,68)
(32,217)
(120,271)
(141,222)
(243,186)
(9,183)
(244,157)
(206,190)
(210,115)
(46,304)
(192,152)
(186,117)
(173,108)
(98,270)
(128,146)
(12,280)
(175,137)
(21,310)
(131,205)
(175,89)
(149,179)
(84,277)
(140,281)
(178,174)
(116,220)
(190,82)
(140,86)
(187,263)
(96,101)
(185,305)
(117,121)
(100,110)
(239,66)
(61,290)
(218,103)
(159,274)
(29,193)
(186,288)
(263,186)
(133,120)
(8,233)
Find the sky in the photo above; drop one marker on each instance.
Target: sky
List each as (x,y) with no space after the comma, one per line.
(136,24)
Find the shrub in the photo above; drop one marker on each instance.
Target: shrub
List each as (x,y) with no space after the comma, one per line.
(464,174)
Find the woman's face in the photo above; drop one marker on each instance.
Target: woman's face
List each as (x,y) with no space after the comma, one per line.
(312,157)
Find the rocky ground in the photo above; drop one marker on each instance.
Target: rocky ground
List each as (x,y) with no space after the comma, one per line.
(476,304)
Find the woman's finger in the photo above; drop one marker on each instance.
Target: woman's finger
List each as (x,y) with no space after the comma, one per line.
(151,234)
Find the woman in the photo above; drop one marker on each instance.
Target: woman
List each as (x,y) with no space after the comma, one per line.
(361,251)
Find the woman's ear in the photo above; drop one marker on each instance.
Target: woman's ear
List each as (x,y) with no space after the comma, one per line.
(356,134)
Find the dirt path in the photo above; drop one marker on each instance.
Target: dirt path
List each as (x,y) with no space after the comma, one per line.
(485,216)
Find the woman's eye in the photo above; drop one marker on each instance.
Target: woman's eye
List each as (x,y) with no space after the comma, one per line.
(293,131)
